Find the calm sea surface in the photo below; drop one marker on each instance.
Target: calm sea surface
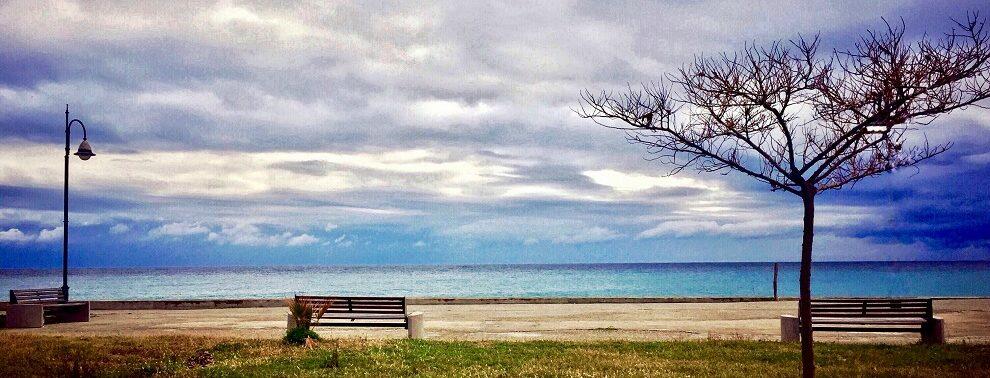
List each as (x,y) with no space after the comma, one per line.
(579,280)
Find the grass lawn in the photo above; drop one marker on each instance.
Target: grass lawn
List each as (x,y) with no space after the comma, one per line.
(26,355)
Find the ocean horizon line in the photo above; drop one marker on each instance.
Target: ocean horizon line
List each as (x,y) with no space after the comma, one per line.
(489,264)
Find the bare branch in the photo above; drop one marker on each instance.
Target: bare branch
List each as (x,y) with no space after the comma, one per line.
(797,120)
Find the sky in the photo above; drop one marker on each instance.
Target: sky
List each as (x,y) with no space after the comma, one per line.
(238,133)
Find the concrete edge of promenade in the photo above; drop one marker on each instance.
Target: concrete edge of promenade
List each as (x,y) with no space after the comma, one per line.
(198,304)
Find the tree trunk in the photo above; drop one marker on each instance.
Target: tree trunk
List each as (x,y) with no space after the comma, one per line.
(804,305)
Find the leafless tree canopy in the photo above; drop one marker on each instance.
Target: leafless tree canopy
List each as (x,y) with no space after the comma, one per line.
(801,120)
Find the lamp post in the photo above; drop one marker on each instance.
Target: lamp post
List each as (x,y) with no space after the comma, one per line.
(84,152)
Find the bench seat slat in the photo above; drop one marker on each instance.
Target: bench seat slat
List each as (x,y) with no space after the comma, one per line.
(354,324)
(345,309)
(317,305)
(868,315)
(340,311)
(355,305)
(37,296)
(901,321)
(353,300)
(868,309)
(861,301)
(868,305)
(363,313)
(853,312)
(363,316)
(867,329)
(64,304)
(379,299)
(357,309)
(29,291)
(871,315)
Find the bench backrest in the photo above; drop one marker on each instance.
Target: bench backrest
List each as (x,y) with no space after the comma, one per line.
(351,305)
(872,308)
(52,295)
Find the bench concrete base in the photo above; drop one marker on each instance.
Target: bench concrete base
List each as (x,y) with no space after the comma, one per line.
(935,332)
(25,316)
(77,312)
(415,321)
(790,330)
(32,315)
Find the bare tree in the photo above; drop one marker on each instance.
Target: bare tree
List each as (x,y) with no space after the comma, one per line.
(805,122)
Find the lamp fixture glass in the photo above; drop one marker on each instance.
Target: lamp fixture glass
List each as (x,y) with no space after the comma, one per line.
(85,151)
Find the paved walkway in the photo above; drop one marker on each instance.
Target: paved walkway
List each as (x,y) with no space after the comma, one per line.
(966,320)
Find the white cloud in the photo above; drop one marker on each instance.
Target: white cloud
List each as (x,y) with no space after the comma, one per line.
(343,241)
(330,227)
(301,240)
(246,234)
(755,220)
(227,14)
(529,230)
(419,244)
(14,235)
(119,228)
(680,228)
(49,235)
(445,112)
(534,191)
(633,182)
(178,229)
(232,174)
(586,235)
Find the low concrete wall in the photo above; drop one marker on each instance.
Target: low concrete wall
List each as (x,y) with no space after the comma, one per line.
(190,304)
(582,300)
(193,304)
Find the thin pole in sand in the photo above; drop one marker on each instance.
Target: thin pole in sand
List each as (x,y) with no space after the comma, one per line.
(775,268)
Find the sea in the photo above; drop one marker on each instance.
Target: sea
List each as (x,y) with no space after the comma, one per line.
(839,279)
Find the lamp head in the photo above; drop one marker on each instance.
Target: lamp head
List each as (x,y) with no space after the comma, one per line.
(85,151)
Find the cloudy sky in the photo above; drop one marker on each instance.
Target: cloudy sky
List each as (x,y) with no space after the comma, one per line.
(236,133)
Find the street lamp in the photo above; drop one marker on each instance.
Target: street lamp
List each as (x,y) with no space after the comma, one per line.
(84,152)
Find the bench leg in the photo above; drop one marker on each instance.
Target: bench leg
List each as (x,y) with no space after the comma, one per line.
(415,325)
(25,316)
(790,329)
(934,332)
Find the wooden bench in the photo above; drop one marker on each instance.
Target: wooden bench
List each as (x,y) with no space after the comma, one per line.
(33,308)
(915,315)
(336,311)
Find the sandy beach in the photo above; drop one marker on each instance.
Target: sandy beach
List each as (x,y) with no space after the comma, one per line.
(967,320)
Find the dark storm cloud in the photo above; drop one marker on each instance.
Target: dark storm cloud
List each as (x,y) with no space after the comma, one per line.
(942,204)
(24,68)
(33,198)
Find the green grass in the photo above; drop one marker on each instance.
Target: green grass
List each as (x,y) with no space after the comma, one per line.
(26,355)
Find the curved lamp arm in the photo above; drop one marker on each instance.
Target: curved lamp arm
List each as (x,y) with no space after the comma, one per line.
(85,151)
(68,126)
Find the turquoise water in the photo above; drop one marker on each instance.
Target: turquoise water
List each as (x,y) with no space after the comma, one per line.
(579,280)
